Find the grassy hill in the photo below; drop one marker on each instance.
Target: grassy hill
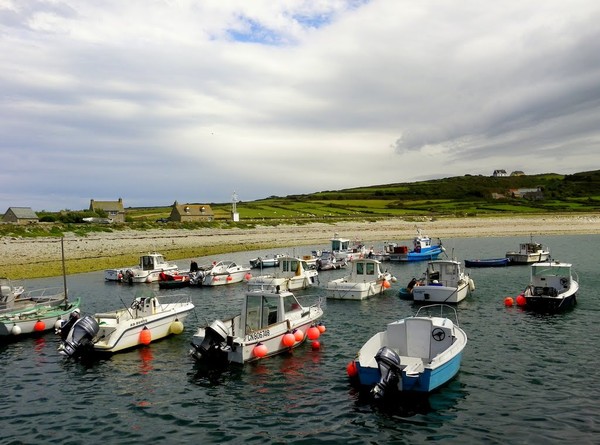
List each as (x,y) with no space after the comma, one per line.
(461,196)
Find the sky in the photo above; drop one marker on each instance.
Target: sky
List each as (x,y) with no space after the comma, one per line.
(156,101)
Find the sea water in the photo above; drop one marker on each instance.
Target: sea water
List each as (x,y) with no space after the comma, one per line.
(525,378)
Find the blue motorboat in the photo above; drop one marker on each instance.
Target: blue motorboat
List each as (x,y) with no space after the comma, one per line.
(423,249)
(414,354)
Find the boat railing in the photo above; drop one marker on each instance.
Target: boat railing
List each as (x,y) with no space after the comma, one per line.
(174,299)
(443,308)
(46,292)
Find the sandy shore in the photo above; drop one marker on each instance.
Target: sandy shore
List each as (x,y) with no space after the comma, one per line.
(14,251)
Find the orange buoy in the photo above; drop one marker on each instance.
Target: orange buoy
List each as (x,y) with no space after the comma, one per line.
(288,340)
(321,327)
(313,333)
(248,276)
(508,301)
(229,278)
(39,326)
(351,369)
(315,345)
(521,301)
(145,336)
(260,350)
(215,278)
(386,284)
(298,335)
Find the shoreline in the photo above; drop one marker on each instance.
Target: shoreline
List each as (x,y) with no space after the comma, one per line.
(26,257)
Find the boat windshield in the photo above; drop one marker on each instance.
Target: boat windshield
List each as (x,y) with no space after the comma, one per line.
(558,271)
(261,311)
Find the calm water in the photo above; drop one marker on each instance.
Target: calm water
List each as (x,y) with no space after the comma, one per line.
(525,378)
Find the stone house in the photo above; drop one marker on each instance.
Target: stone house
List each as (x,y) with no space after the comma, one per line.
(113,209)
(191,212)
(20,215)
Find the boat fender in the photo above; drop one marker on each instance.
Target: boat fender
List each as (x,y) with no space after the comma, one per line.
(471,285)
(176,327)
(16,330)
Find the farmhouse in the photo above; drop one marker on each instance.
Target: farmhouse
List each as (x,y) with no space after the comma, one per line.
(113,209)
(191,212)
(498,173)
(20,215)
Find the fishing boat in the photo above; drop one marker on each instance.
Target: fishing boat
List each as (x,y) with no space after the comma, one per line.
(173,281)
(553,287)
(9,291)
(270,323)
(365,280)
(147,319)
(147,271)
(487,262)
(269,260)
(423,249)
(414,354)
(344,251)
(528,253)
(35,311)
(220,273)
(326,260)
(291,274)
(444,282)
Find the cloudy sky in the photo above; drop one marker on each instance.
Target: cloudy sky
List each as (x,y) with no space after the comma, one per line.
(189,100)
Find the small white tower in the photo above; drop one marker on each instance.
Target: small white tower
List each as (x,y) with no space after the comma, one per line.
(234,213)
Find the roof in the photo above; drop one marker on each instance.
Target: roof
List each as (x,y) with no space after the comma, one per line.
(23,212)
(109,206)
(193,209)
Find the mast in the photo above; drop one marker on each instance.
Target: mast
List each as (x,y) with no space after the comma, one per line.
(62,249)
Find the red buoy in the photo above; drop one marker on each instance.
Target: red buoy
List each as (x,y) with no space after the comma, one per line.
(313,333)
(521,301)
(351,369)
(298,335)
(39,326)
(315,345)
(145,336)
(229,278)
(386,284)
(321,327)
(289,340)
(260,350)
(248,276)
(508,301)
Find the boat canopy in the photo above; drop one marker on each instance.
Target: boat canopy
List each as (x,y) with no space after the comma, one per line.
(264,309)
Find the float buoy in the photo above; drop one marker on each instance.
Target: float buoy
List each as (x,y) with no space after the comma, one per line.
(386,284)
(260,350)
(248,276)
(298,335)
(145,336)
(229,278)
(176,327)
(313,333)
(351,369)
(521,301)
(16,330)
(315,345)
(39,326)
(289,340)
(508,301)
(321,328)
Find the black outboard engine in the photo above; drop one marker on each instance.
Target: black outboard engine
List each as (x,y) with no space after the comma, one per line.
(391,372)
(79,337)
(214,337)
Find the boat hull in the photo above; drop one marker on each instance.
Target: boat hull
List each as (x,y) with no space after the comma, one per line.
(343,290)
(440,294)
(292,283)
(490,262)
(522,259)
(225,278)
(429,255)
(27,323)
(118,335)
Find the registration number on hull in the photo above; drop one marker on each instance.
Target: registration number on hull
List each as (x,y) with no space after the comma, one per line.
(259,335)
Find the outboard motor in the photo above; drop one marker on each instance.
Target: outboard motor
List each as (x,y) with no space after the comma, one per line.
(214,336)
(391,372)
(79,337)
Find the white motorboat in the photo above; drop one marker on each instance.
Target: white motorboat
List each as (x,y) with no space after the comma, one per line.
(444,282)
(343,250)
(365,280)
(327,261)
(9,291)
(269,260)
(149,318)
(147,271)
(269,323)
(414,354)
(528,253)
(291,274)
(553,287)
(220,273)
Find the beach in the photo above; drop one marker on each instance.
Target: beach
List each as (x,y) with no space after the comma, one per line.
(17,251)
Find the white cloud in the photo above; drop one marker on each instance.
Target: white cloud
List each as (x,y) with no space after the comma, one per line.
(183,100)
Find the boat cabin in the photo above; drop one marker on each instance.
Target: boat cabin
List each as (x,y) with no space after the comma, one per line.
(151,261)
(262,309)
(339,244)
(550,279)
(365,270)
(442,273)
